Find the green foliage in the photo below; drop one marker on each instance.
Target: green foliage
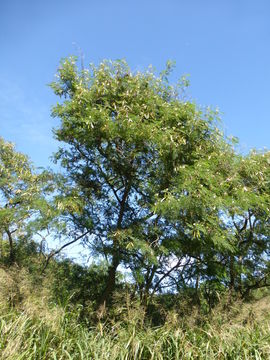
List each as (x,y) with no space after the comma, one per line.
(77,284)
(143,162)
(22,200)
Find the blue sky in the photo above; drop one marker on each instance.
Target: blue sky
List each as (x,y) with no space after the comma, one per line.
(224,45)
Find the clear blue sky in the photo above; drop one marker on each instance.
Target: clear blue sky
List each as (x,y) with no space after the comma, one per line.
(224,45)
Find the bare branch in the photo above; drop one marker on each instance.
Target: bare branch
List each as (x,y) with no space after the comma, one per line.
(56,252)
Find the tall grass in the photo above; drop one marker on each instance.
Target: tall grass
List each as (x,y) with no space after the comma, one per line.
(32,328)
(26,338)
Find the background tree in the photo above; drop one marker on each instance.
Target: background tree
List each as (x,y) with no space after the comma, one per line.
(22,200)
(228,233)
(248,204)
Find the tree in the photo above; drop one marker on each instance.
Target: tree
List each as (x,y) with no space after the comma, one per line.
(129,143)
(22,200)
(229,229)
(248,216)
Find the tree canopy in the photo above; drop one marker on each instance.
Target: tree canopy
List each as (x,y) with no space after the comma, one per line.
(164,193)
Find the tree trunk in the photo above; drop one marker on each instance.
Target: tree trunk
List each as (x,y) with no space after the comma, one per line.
(111,282)
(11,248)
(240,263)
(232,278)
(148,282)
(197,291)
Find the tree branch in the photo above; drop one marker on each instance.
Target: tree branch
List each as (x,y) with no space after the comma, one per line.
(55,252)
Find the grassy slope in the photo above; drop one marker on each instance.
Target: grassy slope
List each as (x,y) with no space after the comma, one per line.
(32,328)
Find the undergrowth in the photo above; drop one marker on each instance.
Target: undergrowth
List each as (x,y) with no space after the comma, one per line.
(23,337)
(32,327)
